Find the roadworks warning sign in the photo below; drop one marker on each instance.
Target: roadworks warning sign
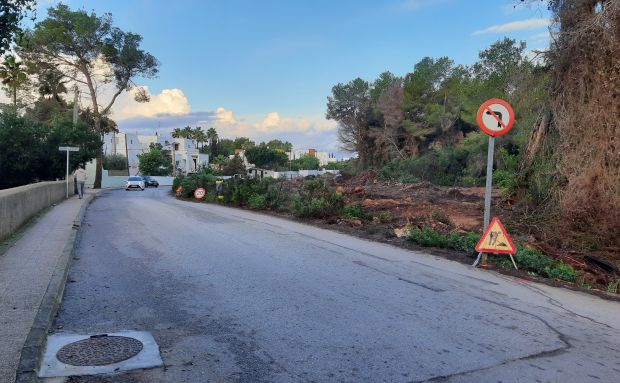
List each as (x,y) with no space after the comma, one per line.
(496,240)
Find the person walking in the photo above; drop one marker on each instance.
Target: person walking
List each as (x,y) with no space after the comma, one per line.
(80,177)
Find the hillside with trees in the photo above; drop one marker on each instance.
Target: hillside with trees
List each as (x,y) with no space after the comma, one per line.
(560,165)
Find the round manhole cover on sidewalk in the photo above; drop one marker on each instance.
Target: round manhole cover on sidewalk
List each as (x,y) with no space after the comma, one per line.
(99,351)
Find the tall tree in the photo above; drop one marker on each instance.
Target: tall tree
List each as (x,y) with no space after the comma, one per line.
(79,44)
(265,157)
(155,162)
(350,105)
(51,81)
(280,145)
(12,12)
(212,138)
(14,76)
(199,135)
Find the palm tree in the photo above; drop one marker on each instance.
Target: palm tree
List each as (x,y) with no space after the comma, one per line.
(186,132)
(176,133)
(13,75)
(199,135)
(212,137)
(51,81)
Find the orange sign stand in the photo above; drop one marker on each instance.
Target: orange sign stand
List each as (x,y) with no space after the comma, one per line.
(497,241)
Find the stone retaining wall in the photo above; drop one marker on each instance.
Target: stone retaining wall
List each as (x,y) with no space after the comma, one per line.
(18,205)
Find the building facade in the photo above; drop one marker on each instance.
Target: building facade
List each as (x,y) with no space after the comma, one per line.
(187,157)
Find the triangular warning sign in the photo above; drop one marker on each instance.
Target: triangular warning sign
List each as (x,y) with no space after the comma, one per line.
(496,240)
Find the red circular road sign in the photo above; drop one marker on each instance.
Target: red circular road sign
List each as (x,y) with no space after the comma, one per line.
(496,117)
(199,193)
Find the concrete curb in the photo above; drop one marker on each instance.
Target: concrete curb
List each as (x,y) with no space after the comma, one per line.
(35,342)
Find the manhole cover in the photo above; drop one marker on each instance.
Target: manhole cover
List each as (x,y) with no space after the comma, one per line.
(99,350)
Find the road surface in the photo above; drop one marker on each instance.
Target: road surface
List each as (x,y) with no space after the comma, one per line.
(236,296)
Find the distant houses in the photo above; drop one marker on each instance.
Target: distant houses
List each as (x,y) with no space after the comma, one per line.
(323,157)
(188,158)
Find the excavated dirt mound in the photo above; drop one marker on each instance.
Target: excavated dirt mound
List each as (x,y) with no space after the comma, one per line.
(462,209)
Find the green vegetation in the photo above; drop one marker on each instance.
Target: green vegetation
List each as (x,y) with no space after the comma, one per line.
(305,162)
(422,127)
(356,211)
(429,237)
(264,157)
(338,165)
(526,258)
(316,200)
(543,265)
(155,162)
(114,162)
(11,14)
(56,42)
(313,199)
(29,148)
(612,287)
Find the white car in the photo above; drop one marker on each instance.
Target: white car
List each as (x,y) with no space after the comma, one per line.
(135,183)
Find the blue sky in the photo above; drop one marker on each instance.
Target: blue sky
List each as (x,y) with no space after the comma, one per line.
(239,62)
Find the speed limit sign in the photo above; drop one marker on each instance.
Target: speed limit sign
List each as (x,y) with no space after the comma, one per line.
(496,117)
(200,193)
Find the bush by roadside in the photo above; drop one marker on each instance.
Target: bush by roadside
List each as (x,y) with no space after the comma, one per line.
(528,259)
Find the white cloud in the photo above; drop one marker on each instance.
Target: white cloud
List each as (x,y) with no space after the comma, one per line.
(169,101)
(224,116)
(271,121)
(272,124)
(303,132)
(514,26)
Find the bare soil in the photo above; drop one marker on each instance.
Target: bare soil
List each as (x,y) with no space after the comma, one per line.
(462,209)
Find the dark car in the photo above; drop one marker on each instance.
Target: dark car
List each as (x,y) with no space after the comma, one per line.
(148,181)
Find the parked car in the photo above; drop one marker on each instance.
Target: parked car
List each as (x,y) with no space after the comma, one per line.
(148,181)
(135,182)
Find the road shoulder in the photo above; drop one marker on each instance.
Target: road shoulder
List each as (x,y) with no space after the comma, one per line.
(33,272)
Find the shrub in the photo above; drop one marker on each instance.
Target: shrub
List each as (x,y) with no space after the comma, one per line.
(114,162)
(533,260)
(385,216)
(267,193)
(427,236)
(189,183)
(561,271)
(257,201)
(356,211)
(441,216)
(315,199)
(440,166)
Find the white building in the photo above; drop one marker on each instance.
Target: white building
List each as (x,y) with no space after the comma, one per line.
(188,158)
(323,157)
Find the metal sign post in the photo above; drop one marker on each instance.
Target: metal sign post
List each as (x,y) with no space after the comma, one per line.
(487,194)
(68,149)
(495,117)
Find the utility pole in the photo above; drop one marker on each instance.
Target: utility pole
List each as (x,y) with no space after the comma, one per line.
(75,104)
(68,149)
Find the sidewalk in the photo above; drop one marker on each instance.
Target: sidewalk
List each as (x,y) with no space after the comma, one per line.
(32,276)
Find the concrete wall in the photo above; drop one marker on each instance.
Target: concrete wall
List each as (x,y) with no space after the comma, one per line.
(19,204)
(163,180)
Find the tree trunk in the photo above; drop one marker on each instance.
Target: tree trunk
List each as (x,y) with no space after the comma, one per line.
(536,140)
(99,168)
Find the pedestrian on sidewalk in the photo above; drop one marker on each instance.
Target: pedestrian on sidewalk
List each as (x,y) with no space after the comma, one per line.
(80,177)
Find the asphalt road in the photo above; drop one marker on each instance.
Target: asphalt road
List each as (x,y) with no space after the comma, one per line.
(235,296)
